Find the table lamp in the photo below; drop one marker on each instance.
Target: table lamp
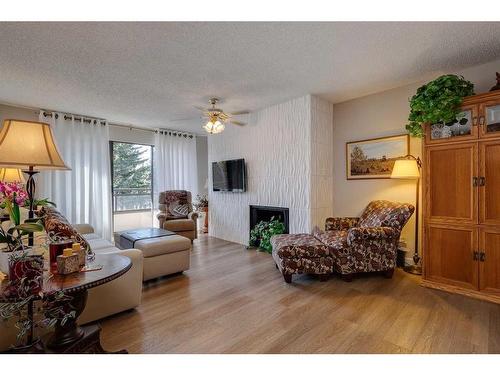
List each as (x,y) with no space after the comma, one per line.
(408,168)
(11,175)
(30,146)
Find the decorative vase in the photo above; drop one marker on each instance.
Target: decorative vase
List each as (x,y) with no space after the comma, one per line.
(29,268)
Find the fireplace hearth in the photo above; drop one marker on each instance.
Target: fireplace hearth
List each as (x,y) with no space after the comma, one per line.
(265,213)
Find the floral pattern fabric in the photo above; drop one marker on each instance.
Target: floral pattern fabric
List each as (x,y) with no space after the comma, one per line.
(175,204)
(341,223)
(301,253)
(336,240)
(348,245)
(371,243)
(386,214)
(57,226)
(298,246)
(378,233)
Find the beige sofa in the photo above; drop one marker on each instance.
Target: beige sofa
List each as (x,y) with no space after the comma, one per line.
(116,296)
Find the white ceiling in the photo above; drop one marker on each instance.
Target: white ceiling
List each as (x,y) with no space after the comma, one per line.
(148,74)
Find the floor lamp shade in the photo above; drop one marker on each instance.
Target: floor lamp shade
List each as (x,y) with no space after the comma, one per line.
(405,169)
(28,145)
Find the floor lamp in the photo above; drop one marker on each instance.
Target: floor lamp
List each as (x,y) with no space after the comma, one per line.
(30,146)
(409,168)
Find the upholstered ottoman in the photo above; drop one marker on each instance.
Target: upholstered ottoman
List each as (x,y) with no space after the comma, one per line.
(164,255)
(301,253)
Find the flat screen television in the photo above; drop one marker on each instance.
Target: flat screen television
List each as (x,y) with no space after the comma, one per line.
(229,175)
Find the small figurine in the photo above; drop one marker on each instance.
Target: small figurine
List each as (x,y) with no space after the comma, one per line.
(497,86)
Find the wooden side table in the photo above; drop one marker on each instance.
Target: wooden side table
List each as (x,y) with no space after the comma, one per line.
(70,337)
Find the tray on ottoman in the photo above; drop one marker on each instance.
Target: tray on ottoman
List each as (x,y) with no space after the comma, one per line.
(127,239)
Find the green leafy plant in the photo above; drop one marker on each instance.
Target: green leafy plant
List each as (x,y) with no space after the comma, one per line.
(260,235)
(50,307)
(40,203)
(436,102)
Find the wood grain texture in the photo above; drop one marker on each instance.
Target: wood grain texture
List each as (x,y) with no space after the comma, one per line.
(234,300)
(489,169)
(450,255)
(450,195)
(489,243)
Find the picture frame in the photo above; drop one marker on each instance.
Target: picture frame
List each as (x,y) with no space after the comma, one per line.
(374,158)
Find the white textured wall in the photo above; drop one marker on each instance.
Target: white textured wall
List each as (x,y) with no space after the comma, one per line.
(321,161)
(288,149)
(276,145)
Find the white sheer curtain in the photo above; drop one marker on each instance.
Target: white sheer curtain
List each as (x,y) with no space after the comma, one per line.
(83,194)
(174,163)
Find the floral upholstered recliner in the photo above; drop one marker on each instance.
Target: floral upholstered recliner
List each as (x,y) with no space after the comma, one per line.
(176,213)
(368,243)
(348,245)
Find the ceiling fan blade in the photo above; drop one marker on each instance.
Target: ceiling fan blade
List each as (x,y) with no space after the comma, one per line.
(186,119)
(237,113)
(239,123)
(199,108)
(223,116)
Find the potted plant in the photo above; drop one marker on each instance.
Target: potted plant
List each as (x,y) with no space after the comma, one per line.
(437,102)
(260,235)
(201,205)
(29,310)
(12,196)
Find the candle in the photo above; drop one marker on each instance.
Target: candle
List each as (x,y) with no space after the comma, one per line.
(67,252)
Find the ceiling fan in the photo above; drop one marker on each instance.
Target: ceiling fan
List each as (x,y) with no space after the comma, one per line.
(217,118)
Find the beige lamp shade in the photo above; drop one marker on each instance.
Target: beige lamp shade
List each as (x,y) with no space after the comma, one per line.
(11,175)
(25,144)
(405,169)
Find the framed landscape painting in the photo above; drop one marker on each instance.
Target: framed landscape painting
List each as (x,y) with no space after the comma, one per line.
(374,158)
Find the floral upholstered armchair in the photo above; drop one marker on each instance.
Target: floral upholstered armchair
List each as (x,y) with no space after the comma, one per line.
(367,243)
(176,213)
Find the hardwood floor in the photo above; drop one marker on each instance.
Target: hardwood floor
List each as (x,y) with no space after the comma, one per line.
(234,300)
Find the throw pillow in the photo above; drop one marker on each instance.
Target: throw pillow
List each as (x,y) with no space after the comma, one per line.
(182,210)
(56,225)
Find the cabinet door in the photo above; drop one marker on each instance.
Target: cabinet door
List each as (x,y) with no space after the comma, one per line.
(489,266)
(449,255)
(463,129)
(449,194)
(489,119)
(489,182)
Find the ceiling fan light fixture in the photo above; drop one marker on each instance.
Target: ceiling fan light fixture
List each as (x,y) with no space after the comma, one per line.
(214,126)
(209,127)
(219,127)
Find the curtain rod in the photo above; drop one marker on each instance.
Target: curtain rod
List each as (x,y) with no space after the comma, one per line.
(90,120)
(67,116)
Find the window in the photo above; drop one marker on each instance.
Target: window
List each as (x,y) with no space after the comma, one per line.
(132,185)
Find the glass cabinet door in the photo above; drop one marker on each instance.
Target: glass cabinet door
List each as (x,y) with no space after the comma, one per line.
(492,119)
(462,128)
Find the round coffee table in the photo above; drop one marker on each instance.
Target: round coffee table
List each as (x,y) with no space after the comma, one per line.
(70,337)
